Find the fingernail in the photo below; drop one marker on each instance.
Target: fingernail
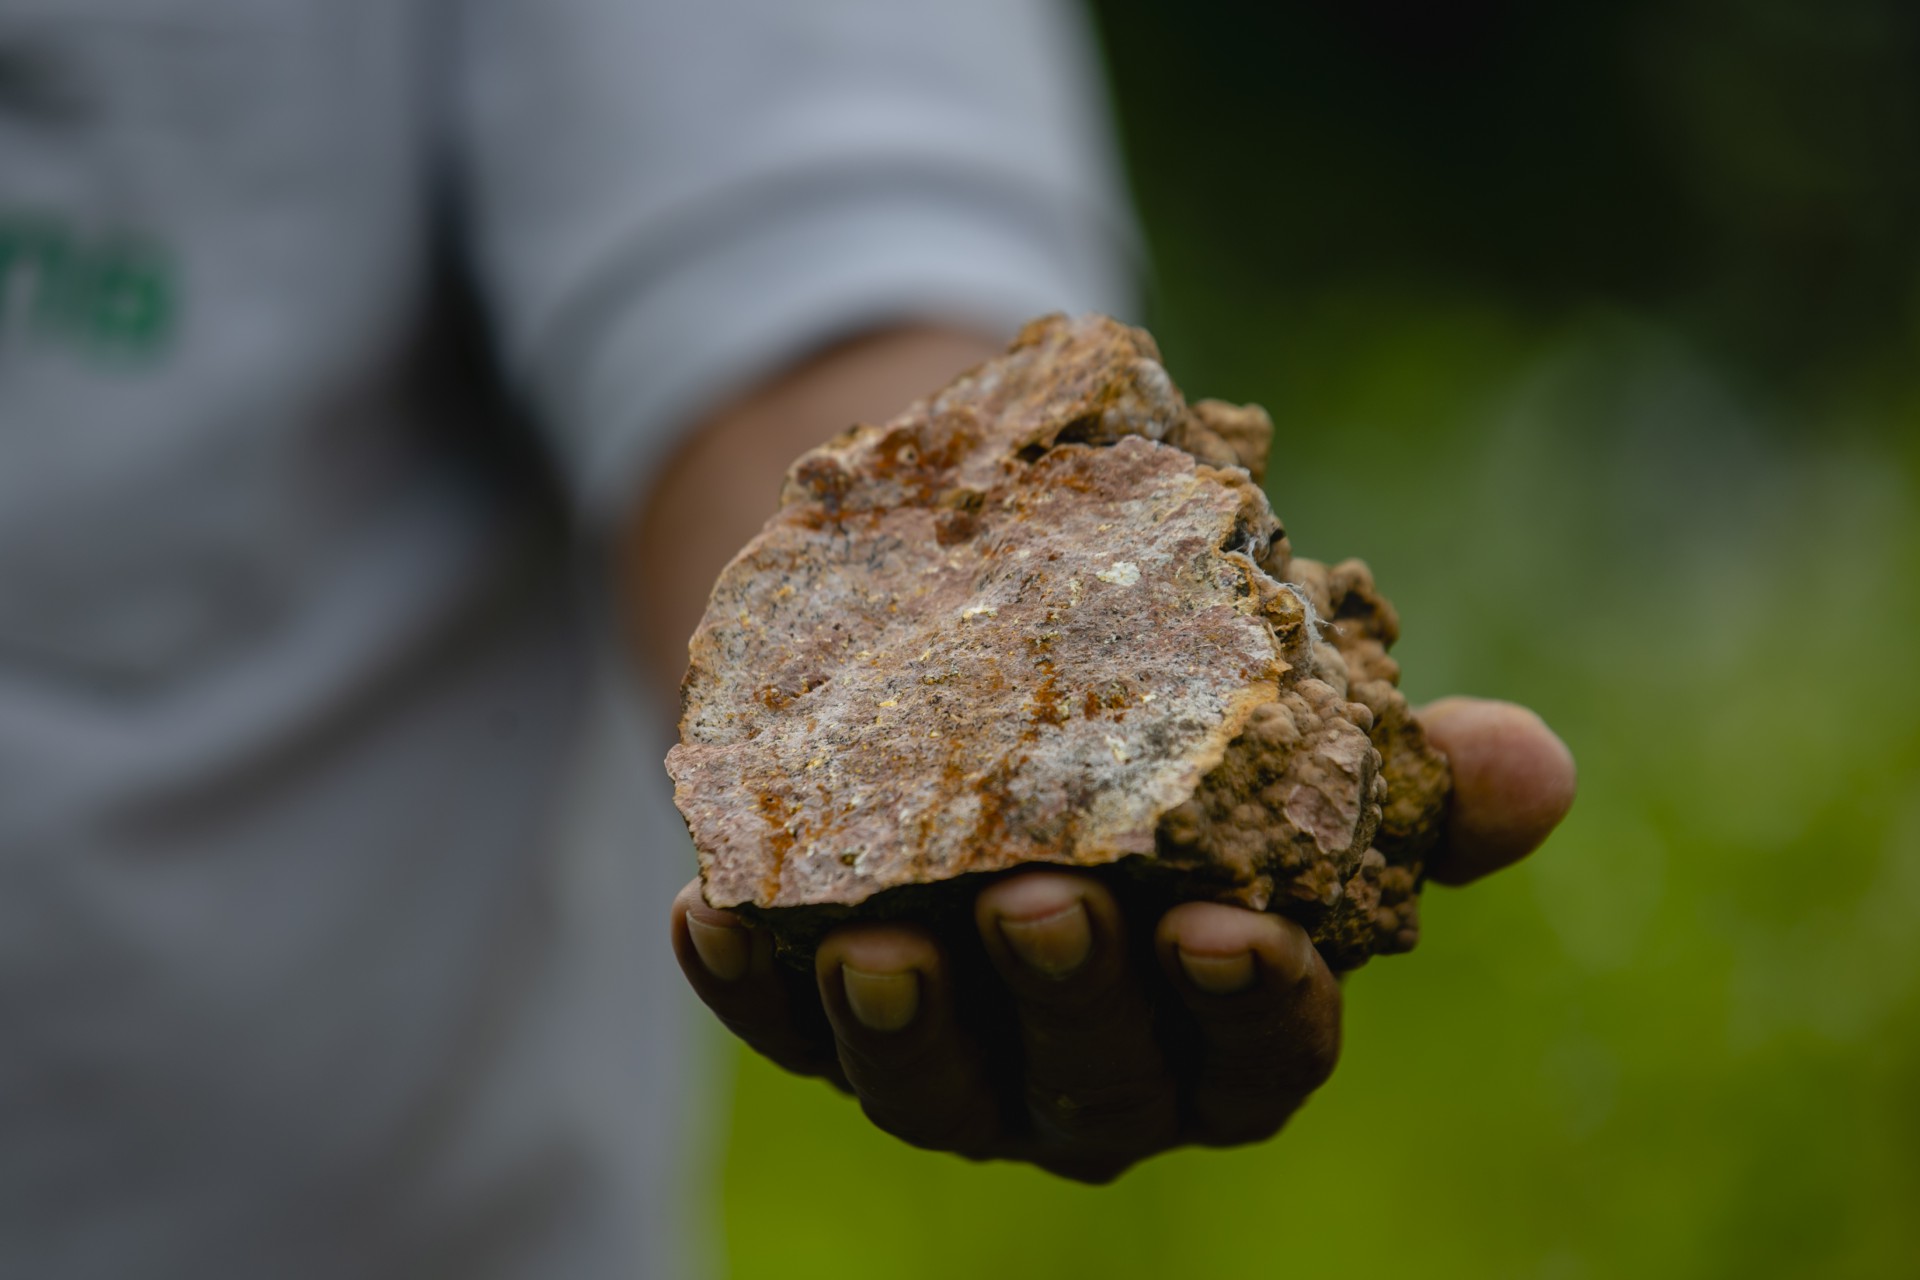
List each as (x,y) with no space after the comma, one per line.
(725,949)
(881,1001)
(1054,945)
(1218,975)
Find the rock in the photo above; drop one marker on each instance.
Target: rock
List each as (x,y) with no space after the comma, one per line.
(1047,616)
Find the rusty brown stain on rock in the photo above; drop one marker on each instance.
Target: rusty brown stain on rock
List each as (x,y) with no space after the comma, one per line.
(1045,615)
(777,814)
(1044,707)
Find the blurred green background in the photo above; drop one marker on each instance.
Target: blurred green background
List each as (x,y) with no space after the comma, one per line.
(1596,329)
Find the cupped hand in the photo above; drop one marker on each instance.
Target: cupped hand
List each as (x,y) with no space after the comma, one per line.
(1064,1033)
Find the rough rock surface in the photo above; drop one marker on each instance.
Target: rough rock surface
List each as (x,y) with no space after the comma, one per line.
(1047,616)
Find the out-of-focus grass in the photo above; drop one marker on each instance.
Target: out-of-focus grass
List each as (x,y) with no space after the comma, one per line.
(1682,1040)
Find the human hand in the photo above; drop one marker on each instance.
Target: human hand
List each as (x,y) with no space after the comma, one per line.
(1062,1032)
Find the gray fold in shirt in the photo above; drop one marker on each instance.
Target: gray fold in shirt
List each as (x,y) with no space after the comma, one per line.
(333,859)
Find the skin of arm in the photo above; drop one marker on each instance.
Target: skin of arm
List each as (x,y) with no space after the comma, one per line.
(1092,1088)
(718,489)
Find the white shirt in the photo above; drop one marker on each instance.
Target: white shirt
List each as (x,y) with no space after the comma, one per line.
(331,927)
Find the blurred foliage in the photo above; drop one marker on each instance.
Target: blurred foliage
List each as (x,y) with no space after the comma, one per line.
(1596,329)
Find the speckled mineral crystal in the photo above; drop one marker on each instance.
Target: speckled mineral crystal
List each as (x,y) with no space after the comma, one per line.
(1047,616)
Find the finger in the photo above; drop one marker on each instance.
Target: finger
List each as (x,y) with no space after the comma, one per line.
(917,1073)
(1266,1010)
(731,967)
(1098,1087)
(1513,781)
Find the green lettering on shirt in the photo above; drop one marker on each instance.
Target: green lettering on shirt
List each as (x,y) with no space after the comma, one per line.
(109,295)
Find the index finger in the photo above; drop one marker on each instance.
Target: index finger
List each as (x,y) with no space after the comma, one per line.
(1513,781)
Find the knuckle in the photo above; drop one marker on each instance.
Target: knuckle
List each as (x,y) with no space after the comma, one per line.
(1076,1005)
(1123,1115)
(897,1062)
(1295,1054)
(1096,1035)
(1319,1055)
(1300,1069)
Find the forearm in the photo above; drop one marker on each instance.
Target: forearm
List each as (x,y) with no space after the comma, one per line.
(721,485)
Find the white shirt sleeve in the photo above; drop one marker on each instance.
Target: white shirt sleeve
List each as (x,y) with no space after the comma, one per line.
(667,199)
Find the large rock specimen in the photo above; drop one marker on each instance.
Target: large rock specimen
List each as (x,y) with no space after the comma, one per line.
(1047,616)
